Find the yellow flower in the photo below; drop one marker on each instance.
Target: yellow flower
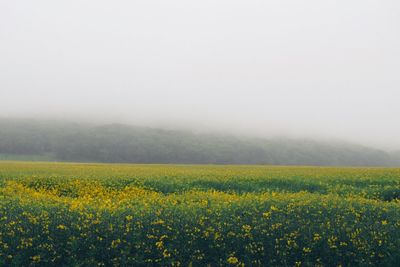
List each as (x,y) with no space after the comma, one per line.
(317,237)
(159,244)
(246,228)
(166,254)
(274,208)
(158,222)
(232,260)
(115,243)
(35,258)
(61,227)
(267,214)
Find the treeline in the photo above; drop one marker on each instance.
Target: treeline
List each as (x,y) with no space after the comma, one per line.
(64,141)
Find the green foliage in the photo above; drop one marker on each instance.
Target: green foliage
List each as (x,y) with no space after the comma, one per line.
(120,143)
(55,214)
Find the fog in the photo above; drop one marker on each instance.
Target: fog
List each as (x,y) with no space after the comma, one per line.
(321,69)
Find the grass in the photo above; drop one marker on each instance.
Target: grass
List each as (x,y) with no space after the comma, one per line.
(19,157)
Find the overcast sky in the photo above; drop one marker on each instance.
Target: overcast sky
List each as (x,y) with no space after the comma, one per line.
(297,68)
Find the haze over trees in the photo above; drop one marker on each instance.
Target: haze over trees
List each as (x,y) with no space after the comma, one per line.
(325,69)
(66,141)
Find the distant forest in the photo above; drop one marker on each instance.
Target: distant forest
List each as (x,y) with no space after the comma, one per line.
(117,143)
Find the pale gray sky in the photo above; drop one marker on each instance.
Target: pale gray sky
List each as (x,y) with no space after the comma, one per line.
(297,68)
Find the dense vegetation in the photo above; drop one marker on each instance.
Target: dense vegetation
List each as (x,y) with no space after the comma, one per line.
(40,140)
(56,214)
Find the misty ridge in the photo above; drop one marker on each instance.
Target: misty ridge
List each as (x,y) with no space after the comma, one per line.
(253,82)
(258,69)
(57,140)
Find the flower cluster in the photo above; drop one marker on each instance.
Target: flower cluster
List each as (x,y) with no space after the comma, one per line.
(129,215)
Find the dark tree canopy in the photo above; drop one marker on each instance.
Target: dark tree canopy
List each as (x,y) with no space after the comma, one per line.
(64,141)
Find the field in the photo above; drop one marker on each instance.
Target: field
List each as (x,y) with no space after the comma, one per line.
(64,214)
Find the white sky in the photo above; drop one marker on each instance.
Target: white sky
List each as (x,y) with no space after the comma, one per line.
(298,68)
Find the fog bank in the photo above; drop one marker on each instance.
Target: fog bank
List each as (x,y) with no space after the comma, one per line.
(321,69)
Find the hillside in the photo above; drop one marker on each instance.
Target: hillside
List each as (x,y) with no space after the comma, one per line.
(64,141)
